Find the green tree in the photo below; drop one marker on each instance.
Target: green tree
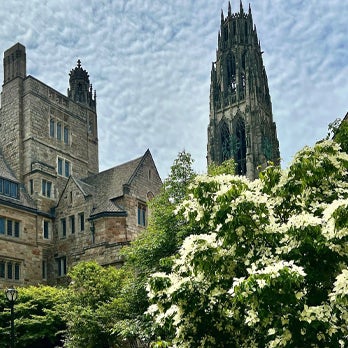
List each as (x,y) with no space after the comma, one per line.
(180,176)
(95,302)
(153,250)
(338,130)
(226,167)
(37,320)
(267,264)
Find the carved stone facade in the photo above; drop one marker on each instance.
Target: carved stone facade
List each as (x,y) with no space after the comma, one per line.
(55,206)
(240,122)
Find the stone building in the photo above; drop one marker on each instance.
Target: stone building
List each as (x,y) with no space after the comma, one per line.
(55,206)
(240,122)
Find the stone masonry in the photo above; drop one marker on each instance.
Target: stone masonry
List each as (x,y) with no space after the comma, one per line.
(56,209)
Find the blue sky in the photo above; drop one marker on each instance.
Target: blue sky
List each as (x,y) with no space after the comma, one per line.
(150,61)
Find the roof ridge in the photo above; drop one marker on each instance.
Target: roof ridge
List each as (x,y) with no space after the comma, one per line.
(142,159)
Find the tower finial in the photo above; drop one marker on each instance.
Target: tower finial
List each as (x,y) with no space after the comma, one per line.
(229,8)
(249,9)
(79,63)
(222,16)
(241,7)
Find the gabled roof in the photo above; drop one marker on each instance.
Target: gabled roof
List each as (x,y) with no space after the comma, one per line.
(107,186)
(86,189)
(110,182)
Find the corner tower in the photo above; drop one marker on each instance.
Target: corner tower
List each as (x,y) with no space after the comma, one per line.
(240,122)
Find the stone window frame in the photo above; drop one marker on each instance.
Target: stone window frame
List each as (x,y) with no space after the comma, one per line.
(46,229)
(67,168)
(61,266)
(46,188)
(81,221)
(10,227)
(142,214)
(52,127)
(10,269)
(63,228)
(59,130)
(9,188)
(66,134)
(64,167)
(72,225)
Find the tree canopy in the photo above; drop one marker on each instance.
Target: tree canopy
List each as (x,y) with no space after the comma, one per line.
(266,264)
(38,323)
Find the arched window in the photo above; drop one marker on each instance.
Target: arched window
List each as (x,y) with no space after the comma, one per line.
(244,61)
(226,144)
(231,72)
(239,146)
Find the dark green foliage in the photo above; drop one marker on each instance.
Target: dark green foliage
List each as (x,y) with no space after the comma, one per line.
(37,321)
(153,249)
(95,302)
(226,167)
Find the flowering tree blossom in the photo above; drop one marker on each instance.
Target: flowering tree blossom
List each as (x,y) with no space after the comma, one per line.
(266,264)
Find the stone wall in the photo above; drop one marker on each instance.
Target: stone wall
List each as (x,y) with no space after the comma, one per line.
(28,250)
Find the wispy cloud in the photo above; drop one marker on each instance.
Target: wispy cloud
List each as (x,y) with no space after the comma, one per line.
(150,63)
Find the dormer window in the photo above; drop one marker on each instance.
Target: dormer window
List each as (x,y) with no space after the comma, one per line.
(9,188)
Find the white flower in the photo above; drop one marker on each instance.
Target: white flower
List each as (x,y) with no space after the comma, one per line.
(261,283)
(271,331)
(340,289)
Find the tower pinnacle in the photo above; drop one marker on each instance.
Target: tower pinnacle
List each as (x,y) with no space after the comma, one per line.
(80,88)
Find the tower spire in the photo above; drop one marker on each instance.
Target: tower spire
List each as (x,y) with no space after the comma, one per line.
(241,123)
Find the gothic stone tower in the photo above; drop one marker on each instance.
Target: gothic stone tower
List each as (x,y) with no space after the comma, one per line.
(241,123)
(45,136)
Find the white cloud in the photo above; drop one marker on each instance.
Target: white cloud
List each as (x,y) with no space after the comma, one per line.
(150,63)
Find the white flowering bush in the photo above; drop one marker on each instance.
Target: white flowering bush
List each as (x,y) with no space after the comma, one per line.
(266,262)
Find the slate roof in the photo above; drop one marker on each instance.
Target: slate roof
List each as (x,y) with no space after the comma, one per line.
(107,186)
(5,171)
(24,201)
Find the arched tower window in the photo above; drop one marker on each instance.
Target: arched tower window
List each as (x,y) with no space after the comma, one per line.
(244,61)
(226,143)
(239,146)
(231,72)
